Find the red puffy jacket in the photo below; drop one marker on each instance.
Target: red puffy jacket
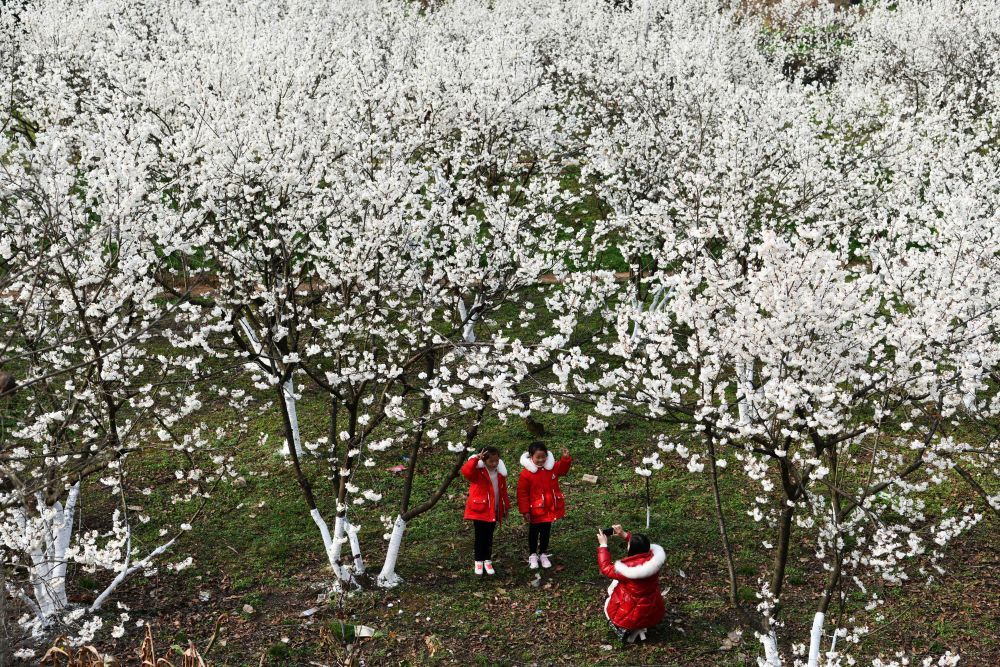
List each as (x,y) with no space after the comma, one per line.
(538,489)
(634,599)
(481,504)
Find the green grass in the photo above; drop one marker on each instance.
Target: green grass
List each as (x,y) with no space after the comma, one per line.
(258,546)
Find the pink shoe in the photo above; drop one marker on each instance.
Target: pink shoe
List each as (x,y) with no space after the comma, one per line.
(544,558)
(479,568)
(533,562)
(488,564)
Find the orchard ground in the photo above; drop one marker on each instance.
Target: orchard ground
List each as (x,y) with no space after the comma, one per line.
(260,577)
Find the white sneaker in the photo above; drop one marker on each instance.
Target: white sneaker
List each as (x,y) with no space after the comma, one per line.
(533,562)
(479,568)
(488,564)
(544,558)
(636,635)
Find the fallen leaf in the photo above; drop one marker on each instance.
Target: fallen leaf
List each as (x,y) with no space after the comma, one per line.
(433,644)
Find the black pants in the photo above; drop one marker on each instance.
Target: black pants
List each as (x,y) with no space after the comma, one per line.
(619,631)
(538,537)
(484,539)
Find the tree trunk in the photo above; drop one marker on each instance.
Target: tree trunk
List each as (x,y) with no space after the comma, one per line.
(352,536)
(288,396)
(781,556)
(815,639)
(47,572)
(388,578)
(331,544)
(816,636)
(128,571)
(721,519)
(769,638)
(744,385)
(772,657)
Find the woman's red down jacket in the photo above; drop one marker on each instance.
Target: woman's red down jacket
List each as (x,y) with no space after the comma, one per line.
(634,599)
(481,505)
(538,488)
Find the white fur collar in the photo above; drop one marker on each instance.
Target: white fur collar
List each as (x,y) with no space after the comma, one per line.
(645,569)
(550,462)
(501,468)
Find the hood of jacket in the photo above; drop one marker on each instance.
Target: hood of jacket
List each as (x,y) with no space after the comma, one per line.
(529,465)
(644,565)
(501,468)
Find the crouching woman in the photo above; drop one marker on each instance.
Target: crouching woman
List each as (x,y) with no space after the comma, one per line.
(634,601)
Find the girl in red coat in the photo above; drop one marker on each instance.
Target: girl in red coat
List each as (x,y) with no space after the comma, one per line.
(488,502)
(634,601)
(539,499)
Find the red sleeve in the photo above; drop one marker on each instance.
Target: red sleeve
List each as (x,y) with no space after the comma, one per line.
(562,465)
(607,567)
(523,495)
(469,468)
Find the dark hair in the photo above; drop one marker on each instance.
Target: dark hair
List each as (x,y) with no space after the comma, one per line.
(491,451)
(638,544)
(537,446)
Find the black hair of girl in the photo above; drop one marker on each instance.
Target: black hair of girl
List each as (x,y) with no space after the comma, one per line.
(491,451)
(638,544)
(537,446)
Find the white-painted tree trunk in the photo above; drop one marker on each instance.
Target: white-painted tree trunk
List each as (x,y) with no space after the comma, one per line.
(772,658)
(339,537)
(647,515)
(659,298)
(639,309)
(288,394)
(469,328)
(331,545)
(287,390)
(815,639)
(47,572)
(352,535)
(128,570)
(388,578)
(744,379)
(62,535)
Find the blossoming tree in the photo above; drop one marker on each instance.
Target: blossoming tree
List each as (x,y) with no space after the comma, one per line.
(99,382)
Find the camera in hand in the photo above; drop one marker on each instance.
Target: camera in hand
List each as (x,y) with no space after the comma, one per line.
(608,531)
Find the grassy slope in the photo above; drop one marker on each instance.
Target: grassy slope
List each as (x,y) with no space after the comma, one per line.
(258,547)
